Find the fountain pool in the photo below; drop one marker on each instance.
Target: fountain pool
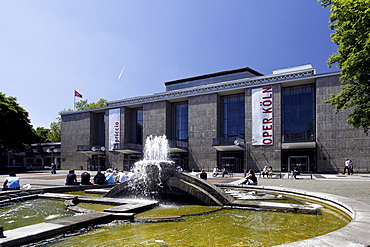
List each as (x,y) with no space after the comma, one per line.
(226,227)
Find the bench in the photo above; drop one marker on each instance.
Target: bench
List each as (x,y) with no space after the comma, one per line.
(275,174)
(301,175)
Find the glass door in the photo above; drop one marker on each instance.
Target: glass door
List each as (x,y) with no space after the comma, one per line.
(301,163)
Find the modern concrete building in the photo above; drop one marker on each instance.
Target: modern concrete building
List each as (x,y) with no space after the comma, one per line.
(237,119)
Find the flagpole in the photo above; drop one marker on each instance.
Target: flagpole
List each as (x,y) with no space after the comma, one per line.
(74,100)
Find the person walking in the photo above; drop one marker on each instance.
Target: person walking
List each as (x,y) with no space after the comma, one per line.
(350,167)
(53,168)
(346,167)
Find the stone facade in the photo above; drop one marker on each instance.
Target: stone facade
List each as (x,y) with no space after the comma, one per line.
(76,130)
(203,126)
(335,139)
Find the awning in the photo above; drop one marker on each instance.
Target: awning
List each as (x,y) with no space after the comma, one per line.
(178,150)
(227,148)
(126,151)
(298,145)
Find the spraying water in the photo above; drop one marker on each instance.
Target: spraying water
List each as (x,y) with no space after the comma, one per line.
(156,166)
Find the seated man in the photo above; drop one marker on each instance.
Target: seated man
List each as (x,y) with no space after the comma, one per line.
(99,178)
(71,178)
(224,172)
(85,178)
(12,182)
(215,172)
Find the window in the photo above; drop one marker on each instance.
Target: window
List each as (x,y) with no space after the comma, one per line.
(298,113)
(233,116)
(137,126)
(181,121)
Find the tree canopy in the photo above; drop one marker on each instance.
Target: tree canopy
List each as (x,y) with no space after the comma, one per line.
(350,20)
(16,132)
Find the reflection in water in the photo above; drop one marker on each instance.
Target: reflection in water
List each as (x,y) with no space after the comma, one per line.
(32,212)
(227,227)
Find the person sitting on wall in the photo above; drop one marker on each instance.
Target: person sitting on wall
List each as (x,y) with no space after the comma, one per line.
(215,172)
(109,177)
(85,178)
(251,178)
(224,172)
(12,182)
(71,178)
(121,177)
(131,175)
(99,178)
(193,172)
(203,175)
(269,172)
(264,172)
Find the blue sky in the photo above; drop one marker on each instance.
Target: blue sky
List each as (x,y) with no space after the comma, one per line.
(50,48)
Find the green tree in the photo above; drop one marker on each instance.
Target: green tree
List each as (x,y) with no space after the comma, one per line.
(16,132)
(350,20)
(41,134)
(55,134)
(83,105)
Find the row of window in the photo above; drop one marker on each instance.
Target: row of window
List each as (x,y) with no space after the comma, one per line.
(298,116)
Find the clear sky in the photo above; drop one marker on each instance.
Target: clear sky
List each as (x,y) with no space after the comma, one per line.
(48,49)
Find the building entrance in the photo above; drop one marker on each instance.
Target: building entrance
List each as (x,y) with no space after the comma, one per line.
(303,159)
(231,161)
(301,163)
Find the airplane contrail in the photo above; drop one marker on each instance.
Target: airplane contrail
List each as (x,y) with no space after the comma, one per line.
(120,74)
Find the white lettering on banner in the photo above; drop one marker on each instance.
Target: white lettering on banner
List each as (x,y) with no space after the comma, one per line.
(114,128)
(262,116)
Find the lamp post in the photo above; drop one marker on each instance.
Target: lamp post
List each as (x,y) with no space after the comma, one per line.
(52,150)
(102,149)
(239,141)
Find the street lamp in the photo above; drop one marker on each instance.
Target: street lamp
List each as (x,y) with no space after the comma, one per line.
(51,151)
(95,149)
(242,142)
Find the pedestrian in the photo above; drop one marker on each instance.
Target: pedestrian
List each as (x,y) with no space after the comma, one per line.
(350,167)
(53,168)
(346,168)
(71,178)
(12,182)
(251,178)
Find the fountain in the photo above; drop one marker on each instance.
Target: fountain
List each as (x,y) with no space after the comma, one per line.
(156,178)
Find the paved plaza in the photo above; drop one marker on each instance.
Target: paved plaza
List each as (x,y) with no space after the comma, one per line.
(351,191)
(356,187)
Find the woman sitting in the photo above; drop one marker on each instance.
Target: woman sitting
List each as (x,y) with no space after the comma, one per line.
(251,178)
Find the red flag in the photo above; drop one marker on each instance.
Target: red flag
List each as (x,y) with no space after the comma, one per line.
(77,94)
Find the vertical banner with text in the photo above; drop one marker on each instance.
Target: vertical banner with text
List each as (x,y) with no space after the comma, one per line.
(262,116)
(114,127)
